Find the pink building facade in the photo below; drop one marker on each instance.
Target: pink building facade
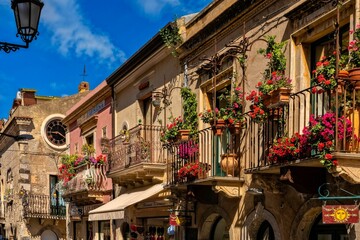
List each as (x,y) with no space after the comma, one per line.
(89,124)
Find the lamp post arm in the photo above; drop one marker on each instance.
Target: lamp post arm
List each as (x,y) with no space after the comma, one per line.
(8,47)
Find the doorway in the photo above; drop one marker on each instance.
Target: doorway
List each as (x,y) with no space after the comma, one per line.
(320,231)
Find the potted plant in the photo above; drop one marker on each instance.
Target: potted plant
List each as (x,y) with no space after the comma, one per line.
(191,171)
(324,74)
(190,125)
(258,112)
(229,116)
(354,55)
(283,149)
(172,129)
(276,86)
(319,136)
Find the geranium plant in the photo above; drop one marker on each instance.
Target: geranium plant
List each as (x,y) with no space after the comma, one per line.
(192,170)
(324,74)
(284,149)
(232,109)
(172,129)
(258,111)
(277,80)
(354,48)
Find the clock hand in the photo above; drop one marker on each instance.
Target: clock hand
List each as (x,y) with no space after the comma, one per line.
(59,134)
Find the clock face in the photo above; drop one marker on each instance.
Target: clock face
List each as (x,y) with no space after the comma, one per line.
(56,132)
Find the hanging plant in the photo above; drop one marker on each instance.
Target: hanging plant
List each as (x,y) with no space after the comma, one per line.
(190,110)
(171,37)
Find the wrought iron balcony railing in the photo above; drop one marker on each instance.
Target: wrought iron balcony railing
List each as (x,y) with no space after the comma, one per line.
(139,145)
(90,183)
(291,120)
(43,206)
(204,157)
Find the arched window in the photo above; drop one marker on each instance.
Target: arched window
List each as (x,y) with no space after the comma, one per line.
(265,232)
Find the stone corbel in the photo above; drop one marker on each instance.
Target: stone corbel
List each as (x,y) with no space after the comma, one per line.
(230,191)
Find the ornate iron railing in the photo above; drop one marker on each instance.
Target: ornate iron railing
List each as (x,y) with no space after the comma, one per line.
(292,118)
(206,155)
(89,177)
(43,206)
(140,144)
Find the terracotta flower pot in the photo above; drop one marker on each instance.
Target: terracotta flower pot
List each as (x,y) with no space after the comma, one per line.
(343,74)
(183,135)
(218,126)
(354,76)
(229,164)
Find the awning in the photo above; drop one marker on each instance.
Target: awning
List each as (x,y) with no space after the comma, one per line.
(115,208)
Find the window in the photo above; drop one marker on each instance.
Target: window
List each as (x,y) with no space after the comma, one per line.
(76,148)
(9,175)
(57,205)
(104,132)
(265,232)
(89,139)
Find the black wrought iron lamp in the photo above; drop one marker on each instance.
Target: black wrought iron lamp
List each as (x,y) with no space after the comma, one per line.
(27,15)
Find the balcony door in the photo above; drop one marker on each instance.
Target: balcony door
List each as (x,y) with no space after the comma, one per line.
(57,205)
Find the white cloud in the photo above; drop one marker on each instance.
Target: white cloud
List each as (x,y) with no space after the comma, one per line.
(154,7)
(71,33)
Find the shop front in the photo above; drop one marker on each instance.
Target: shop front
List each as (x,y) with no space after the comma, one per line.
(139,213)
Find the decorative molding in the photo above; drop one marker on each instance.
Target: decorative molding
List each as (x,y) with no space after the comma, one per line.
(230,191)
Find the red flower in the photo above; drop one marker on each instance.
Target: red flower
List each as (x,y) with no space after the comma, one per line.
(328,156)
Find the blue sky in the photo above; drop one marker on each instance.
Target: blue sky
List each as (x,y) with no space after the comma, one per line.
(74,33)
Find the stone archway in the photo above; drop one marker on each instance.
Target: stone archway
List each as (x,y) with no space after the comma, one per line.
(49,235)
(255,219)
(210,218)
(304,219)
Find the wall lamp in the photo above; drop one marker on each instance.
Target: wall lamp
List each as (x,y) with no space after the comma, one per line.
(20,137)
(27,15)
(255,191)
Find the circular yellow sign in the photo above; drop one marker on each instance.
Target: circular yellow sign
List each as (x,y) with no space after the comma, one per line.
(340,214)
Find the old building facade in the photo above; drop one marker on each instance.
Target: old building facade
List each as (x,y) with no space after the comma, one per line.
(262,196)
(89,124)
(31,205)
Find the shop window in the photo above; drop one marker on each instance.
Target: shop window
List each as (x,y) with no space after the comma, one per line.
(104,230)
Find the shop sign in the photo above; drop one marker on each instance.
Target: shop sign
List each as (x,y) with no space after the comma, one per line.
(174,220)
(91,112)
(335,214)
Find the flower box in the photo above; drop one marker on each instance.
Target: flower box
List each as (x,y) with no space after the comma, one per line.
(183,134)
(280,96)
(218,126)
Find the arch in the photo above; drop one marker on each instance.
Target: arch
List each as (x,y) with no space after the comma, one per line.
(49,230)
(211,216)
(254,221)
(304,219)
(49,235)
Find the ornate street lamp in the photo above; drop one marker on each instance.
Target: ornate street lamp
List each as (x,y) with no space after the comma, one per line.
(27,15)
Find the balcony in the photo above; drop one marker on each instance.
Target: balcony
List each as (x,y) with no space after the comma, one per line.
(306,111)
(208,160)
(43,206)
(89,186)
(137,156)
